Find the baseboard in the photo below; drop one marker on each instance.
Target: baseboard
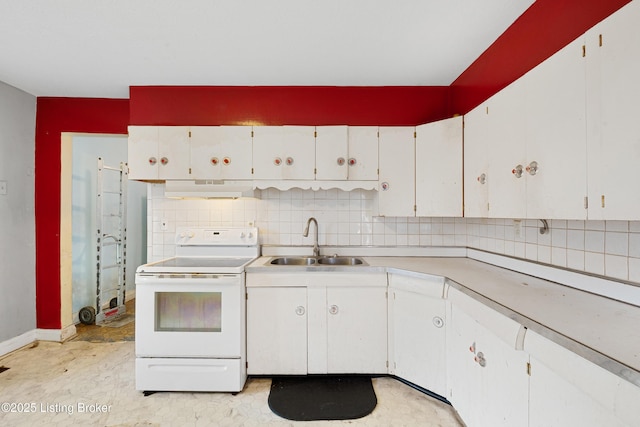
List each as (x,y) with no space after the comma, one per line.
(56,335)
(18,342)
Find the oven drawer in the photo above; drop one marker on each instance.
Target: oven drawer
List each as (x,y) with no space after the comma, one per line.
(164,374)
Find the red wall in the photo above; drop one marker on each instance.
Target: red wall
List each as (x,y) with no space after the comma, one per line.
(292,105)
(54,116)
(546,27)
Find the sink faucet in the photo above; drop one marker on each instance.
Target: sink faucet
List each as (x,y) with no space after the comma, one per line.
(305,233)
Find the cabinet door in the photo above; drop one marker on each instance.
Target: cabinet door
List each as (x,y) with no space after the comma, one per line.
(173,152)
(363,153)
(613,67)
(418,335)
(332,152)
(439,168)
(476,162)
(357,330)
(568,390)
(277,331)
(488,380)
(507,155)
(221,152)
(143,152)
(284,152)
(556,174)
(396,193)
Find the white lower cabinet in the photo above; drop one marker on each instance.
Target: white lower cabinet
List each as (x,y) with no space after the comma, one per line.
(277,330)
(294,330)
(568,390)
(487,376)
(417,337)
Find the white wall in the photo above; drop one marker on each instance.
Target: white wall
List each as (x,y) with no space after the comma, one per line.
(610,248)
(17,217)
(113,150)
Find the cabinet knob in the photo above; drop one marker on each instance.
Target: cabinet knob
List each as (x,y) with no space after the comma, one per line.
(352,161)
(214,161)
(438,322)
(340,161)
(226,161)
(333,309)
(152,161)
(289,161)
(517,171)
(532,168)
(277,161)
(300,310)
(164,161)
(384,186)
(482,179)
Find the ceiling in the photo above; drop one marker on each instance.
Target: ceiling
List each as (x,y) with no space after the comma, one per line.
(81,48)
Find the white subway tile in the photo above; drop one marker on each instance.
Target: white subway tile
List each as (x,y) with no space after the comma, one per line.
(594,262)
(575,239)
(575,259)
(616,266)
(616,243)
(594,241)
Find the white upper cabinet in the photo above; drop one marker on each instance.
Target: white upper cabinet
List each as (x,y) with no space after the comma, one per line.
(221,152)
(396,182)
(476,162)
(439,168)
(555,169)
(158,152)
(507,152)
(613,132)
(332,152)
(347,153)
(284,152)
(363,153)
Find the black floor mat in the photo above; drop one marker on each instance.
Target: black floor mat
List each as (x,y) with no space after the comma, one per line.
(322,397)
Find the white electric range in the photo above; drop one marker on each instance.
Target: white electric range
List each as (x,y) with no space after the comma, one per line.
(190,313)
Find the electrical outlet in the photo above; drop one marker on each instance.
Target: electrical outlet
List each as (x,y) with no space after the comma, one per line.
(517,228)
(164,224)
(3,187)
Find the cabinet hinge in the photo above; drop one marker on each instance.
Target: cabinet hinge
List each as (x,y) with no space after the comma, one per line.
(586,202)
(387,363)
(252,133)
(600,40)
(315,171)
(602,200)
(246,295)
(584,51)
(315,134)
(189,171)
(528,368)
(415,208)
(189,134)
(415,134)
(246,364)
(251,171)
(487,110)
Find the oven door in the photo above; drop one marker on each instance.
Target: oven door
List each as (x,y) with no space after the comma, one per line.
(190,315)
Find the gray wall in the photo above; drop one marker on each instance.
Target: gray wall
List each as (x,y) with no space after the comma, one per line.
(17,217)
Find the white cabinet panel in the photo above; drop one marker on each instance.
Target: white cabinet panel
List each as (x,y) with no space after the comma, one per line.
(332,152)
(613,135)
(158,152)
(277,331)
(476,162)
(417,339)
(487,378)
(357,330)
(439,168)
(363,153)
(221,152)
(284,152)
(555,136)
(507,152)
(396,192)
(566,389)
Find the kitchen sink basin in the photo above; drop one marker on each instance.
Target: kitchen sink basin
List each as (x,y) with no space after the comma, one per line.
(317,261)
(293,261)
(340,260)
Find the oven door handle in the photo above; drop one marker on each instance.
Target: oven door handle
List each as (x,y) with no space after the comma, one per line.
(192,279)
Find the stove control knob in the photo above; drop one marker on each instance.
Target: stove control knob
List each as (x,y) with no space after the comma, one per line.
(242,235)
(250,235)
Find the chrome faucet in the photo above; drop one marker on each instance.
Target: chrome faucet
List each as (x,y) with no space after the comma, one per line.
(305,233)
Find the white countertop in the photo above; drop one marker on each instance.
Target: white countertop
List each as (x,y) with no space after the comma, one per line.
(603,330)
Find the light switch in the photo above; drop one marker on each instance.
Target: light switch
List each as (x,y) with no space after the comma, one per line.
(3,187)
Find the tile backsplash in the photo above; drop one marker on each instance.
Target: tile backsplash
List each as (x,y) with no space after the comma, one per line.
(606,248)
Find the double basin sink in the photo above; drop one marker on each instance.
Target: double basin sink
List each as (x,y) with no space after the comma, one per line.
(317,261)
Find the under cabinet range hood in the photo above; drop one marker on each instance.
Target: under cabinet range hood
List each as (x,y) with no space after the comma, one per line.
(209,189)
